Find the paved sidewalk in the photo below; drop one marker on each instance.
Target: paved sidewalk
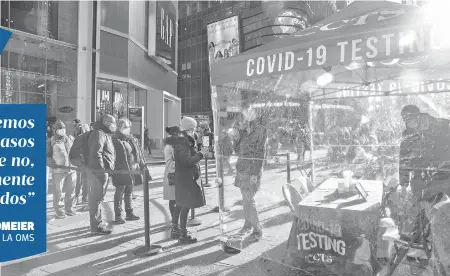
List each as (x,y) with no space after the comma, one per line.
(71,251)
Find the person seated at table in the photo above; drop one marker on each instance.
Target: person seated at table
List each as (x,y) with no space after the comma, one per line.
(424,150)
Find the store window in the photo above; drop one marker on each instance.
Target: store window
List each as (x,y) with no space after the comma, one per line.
(39,72)
(50,19)
(103,98)
(120,95)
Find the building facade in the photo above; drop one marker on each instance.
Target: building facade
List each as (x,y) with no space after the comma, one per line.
(259,23)
(85,58)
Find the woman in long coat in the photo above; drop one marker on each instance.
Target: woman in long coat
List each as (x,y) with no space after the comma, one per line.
(189,192)
(128,157)
(169,179)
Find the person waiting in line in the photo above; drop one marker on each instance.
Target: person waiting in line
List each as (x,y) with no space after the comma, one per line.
(249,145)
(189,192)
(147,143)
(199,138)
(169,182)
(128,157)
(82,182)
(102,156)
(58,148)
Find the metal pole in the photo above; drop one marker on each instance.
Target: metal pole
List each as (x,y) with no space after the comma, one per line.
(148,249)
(311,136)
(288,167)
(206,171)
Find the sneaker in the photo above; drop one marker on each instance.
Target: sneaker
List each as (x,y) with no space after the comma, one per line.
(186,238)
(132,217)
(119,220)
(101,231)
(175,232)
(60,215)
(71,213)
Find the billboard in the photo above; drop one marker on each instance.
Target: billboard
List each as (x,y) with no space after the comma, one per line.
(162,33)
(223,39)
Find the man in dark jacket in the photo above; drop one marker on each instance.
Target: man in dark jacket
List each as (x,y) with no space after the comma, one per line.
(101,157)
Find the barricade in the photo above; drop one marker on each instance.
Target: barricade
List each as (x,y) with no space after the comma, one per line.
(147,249)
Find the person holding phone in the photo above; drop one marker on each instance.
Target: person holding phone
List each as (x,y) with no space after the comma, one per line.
(189,192)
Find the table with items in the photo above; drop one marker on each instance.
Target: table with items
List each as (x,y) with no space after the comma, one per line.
(336,232)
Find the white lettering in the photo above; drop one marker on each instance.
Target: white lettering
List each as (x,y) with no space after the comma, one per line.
(250,62)
(271,62)
(342,45)
(280,61)
(260,65)
(313,240)
(289,61)
(372,47)
(388,37)
(356,49)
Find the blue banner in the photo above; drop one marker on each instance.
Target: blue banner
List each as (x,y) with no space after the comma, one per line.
(23,214)
(4,38)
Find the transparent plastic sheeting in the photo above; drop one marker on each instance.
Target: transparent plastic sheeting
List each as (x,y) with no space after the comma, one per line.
(318,225)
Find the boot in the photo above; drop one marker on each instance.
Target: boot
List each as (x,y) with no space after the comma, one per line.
(175,232)
(185,237)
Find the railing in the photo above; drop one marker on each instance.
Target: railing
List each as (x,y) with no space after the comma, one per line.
(148,248)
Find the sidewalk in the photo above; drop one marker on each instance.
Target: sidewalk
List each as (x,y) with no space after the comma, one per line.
(72,251)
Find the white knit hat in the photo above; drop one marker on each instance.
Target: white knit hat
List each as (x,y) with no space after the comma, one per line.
(188,123)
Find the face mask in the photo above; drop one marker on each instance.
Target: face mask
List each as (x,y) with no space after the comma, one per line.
(112,127)
(61,132)
(126,131)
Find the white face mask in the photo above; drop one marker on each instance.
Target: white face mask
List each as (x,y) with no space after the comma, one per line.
(125,131)
(61,132)
(112,127)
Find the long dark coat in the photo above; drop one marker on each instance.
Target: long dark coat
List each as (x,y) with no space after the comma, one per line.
(188,192)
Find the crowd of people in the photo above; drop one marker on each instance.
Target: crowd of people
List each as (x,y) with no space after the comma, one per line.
(83,164)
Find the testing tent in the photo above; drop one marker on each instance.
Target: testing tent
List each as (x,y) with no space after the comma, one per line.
(303,109)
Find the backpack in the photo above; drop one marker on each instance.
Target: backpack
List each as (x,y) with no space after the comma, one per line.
(79,152)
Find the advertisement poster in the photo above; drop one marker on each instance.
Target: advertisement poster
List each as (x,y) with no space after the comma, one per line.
(23,210)
(223,39)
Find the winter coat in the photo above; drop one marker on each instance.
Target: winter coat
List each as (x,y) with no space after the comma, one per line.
(58,152)
(169,191)
(102,155)
(128,157)
(189,191)
(250,146)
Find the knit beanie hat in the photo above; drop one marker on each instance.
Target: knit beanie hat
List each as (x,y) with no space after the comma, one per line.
(188,123)
(58,125)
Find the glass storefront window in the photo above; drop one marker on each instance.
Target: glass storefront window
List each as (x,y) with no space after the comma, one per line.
(36,71)
(120,100)
(51,19)
(103,98)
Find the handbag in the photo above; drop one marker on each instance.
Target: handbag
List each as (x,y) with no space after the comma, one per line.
(171,179)
(139,178)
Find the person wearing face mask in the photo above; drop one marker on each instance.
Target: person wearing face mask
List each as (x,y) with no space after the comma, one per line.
(128,157)
(58,148)
(250,147)
(189,192)
(102,156)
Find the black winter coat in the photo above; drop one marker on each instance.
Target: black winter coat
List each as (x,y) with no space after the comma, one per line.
(189,191)
(128,153)
(101,149)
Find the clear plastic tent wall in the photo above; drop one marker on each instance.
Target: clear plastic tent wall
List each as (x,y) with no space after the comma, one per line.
(309,176)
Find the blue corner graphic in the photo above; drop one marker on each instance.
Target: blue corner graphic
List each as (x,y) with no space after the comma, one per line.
(4,38)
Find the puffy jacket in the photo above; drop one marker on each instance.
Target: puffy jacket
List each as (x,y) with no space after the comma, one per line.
(58,152)
(102,154)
